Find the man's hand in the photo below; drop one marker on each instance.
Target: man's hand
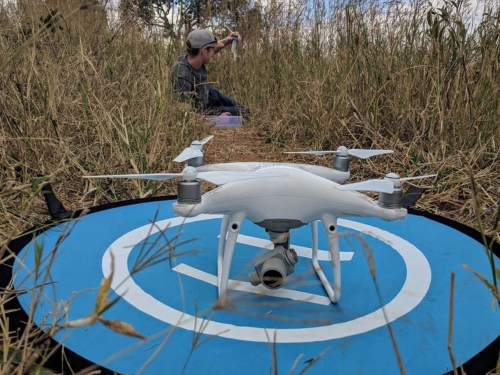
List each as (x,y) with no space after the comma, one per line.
(232,35)
(225,114)
(228,40)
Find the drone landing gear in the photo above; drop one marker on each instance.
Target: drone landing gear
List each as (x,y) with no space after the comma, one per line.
(330,224)
(229,230)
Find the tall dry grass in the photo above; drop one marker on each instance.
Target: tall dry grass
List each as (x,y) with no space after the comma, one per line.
(78,97)
(416,79)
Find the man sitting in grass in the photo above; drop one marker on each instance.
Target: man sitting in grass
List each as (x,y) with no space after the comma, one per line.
(189,75)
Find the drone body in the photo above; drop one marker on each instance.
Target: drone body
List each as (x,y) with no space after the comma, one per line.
(318,170)
(295,195)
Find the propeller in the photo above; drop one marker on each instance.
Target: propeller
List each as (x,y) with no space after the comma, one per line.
(388,185)
(382,186)
(191,174)
(396,180)
(341,155)
(195,150)
(344,151)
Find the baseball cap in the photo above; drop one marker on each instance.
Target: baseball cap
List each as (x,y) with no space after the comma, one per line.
(202,38)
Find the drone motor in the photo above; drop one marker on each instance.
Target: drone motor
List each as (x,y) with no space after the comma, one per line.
(189,192)
(197,161)
(393,200)
(189,187)
(341,159)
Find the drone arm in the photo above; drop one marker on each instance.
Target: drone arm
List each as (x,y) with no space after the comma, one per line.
(234,225)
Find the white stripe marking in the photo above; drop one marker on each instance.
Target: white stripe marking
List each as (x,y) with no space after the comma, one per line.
(305,252)
(243,286)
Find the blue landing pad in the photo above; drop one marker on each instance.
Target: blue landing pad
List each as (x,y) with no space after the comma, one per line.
(395,275)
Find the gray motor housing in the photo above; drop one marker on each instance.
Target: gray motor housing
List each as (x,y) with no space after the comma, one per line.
(391,200)
(189,192)
(197,162)
(341,163)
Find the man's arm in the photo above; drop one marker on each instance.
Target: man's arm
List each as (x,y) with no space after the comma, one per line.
(228,40)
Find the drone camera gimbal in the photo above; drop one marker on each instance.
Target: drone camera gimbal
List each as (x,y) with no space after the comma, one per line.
(272,267)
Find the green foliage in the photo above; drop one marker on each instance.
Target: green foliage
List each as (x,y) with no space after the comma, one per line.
(161,14)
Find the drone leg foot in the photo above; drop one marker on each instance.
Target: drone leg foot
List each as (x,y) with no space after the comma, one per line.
(222,244)
(234,225)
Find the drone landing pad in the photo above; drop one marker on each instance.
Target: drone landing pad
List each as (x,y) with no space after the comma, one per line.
(394,310)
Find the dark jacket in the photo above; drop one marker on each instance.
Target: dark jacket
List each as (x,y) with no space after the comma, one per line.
(190,83)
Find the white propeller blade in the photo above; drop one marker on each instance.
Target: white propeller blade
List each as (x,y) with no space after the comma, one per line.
(417,177)
(363,154)
(317,153)
(215,177)
(187,154)
(206,139)
(360,153)
(383,186)
(146,176)
(396,180)
(225,177)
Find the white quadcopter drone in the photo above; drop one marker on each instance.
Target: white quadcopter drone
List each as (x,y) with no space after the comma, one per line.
(279,197)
